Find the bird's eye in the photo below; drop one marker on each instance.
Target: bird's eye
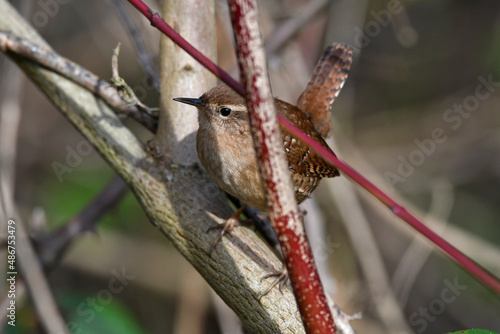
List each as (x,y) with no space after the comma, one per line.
(224,112)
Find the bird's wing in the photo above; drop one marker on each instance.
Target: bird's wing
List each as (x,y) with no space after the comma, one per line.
(302,159)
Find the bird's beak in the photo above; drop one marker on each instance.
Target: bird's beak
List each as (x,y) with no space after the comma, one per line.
(186,100)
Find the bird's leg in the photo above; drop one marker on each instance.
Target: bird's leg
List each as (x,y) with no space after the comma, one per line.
(226,227)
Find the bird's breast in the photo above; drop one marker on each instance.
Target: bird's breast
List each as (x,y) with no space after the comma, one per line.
(230,161)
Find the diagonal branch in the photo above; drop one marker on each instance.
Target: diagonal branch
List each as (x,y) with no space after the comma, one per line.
(52,247)
(43,56)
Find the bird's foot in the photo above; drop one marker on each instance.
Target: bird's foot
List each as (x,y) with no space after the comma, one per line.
(281,277)
(226,227)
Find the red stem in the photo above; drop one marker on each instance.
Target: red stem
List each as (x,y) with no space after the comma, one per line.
(466,263)
(283,210)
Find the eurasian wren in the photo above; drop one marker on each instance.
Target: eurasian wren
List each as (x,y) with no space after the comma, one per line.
(225,145)
(226,150)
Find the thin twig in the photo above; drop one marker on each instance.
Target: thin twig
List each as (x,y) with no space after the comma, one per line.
(11,94)
(51,60)
(26,259)
(10,116)
(52,247)
(368,254)
(28,262)
(143,55)
(126,92)
(417,253)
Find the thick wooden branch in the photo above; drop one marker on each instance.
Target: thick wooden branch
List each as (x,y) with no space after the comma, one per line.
(181,75)
(181,202)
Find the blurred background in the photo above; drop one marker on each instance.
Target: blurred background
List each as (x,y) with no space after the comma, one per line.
(418,116)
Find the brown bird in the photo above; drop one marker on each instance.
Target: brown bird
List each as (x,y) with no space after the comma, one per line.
(225,147)
(224,142)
